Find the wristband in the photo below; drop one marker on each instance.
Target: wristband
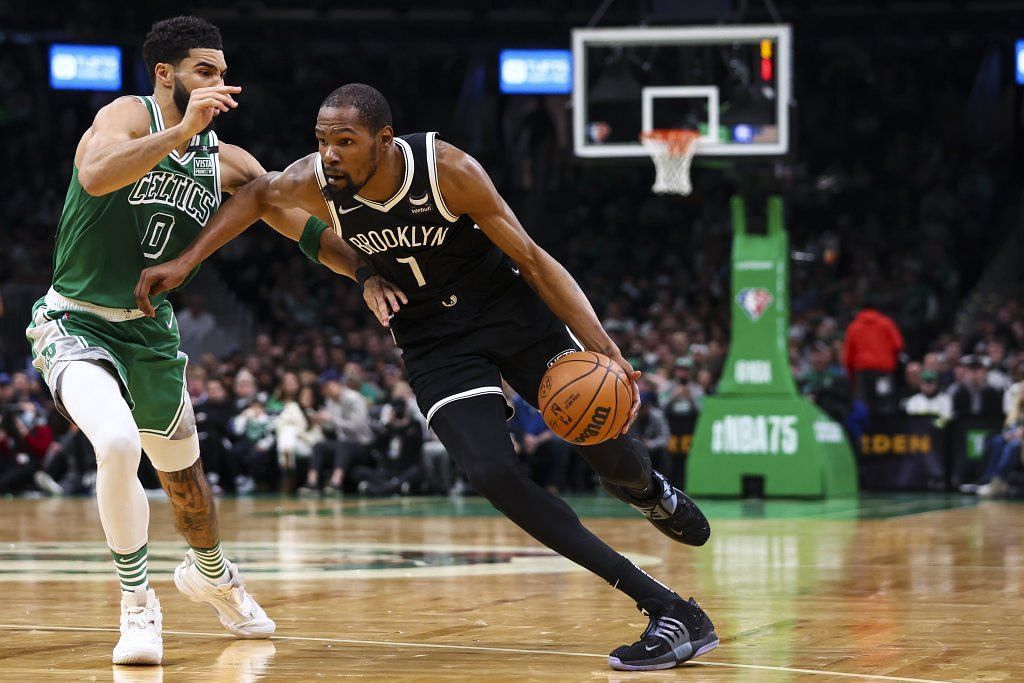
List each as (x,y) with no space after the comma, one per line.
(309,243)
(364,273)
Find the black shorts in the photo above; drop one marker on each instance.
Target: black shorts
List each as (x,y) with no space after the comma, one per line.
(518,338)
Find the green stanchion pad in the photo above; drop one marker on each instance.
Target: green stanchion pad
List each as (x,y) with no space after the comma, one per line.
(758,426)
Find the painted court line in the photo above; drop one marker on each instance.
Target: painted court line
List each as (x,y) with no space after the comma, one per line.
(484,648)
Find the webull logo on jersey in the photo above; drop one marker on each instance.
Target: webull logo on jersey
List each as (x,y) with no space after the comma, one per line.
(419,204)
(175,190)
(754,301)
(755,434)
(379,241)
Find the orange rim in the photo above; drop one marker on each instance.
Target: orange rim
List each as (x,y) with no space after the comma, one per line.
(677,140)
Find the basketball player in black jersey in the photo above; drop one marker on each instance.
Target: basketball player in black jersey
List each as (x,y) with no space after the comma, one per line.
(470,298)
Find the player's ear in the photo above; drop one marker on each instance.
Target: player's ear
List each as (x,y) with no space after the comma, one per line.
(164,74)
(386,135)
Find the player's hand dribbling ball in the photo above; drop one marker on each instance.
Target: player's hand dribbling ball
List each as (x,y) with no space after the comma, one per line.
(585,398)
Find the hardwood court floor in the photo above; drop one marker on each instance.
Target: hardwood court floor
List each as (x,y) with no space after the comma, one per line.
(900,588)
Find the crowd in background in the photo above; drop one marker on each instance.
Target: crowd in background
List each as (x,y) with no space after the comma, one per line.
(318,402)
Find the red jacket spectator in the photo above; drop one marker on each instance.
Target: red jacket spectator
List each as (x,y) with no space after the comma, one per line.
(873,342)
(38,439)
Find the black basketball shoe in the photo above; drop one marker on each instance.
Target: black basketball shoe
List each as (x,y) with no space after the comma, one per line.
(672,512)
(678,631)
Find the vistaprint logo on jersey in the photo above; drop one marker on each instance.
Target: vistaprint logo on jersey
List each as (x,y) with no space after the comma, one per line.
(379,241)
(175,190)
(202,167)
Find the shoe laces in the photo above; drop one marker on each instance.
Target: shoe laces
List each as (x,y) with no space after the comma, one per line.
(139,617)
(667,629)
(235,590)
(662,506)
(670,631)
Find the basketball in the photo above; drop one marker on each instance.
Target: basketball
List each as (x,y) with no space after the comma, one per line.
(585,398)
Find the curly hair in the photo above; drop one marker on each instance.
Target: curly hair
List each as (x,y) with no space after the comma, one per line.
(373,109)
(169,40)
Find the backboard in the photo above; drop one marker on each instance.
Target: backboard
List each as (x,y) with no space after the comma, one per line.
(732,83)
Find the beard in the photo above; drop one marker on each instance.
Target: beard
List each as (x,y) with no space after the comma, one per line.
(180,96)
(341,196)
(344,195)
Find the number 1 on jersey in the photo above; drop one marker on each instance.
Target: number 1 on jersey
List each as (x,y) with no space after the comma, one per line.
(416,272)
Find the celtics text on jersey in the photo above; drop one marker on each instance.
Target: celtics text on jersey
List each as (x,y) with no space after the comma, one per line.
(103,243)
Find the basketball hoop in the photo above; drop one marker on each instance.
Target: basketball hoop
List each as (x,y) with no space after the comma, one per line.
(672,151)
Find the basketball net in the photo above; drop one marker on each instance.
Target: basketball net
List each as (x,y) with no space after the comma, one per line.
(672,151)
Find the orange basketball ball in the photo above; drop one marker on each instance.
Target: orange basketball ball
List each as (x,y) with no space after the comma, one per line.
(585,398)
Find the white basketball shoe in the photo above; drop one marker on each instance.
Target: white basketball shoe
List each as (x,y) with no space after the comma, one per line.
(235,608)
(141,624)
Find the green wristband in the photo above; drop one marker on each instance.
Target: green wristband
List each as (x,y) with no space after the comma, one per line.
(309,243)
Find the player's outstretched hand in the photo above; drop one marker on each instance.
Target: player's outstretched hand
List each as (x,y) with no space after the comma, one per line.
(633,375)
(159,279)
(382,297)
(205,103)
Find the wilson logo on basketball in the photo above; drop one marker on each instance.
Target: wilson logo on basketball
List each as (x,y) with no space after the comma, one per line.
(597,421)
(584,398)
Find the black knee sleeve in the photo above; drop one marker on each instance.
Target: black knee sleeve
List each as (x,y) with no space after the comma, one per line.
(474,432)
(623,461)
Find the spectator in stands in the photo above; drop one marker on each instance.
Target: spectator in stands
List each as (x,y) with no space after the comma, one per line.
(934,361)
(398,456)
(253,448)
(871,351)
(952,370)
(69,466)
(825,384)
(213,412)
(681,384)
(246,390)
(911,382)
(707,382)
(1015,390)
(930,401)
(651,428)
(15,465)
(23,390)
(25,437)
(196,325)
(998,378)
(1002,456)
(972,395)
(295,432)
(345,422)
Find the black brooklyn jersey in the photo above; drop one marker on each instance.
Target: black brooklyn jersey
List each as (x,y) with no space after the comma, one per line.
(450,271)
